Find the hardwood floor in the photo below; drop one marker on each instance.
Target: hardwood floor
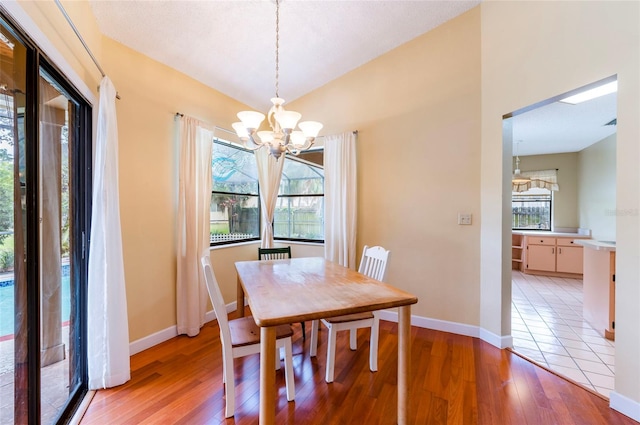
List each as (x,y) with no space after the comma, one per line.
(456,380)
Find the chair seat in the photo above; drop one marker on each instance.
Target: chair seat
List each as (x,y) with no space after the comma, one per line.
(350,317)
(244,331)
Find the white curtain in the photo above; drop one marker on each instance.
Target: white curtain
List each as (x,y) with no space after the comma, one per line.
(340,199)
(269,175)
(108,335)
(544,179)
(194,200)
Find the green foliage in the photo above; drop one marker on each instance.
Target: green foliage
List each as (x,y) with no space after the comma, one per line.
(6,254)
(6,196)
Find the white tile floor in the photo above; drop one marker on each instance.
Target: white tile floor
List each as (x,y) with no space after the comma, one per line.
(547,327)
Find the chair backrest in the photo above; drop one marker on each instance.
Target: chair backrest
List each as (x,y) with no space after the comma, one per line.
(374,262)
(274,253)
(217,300)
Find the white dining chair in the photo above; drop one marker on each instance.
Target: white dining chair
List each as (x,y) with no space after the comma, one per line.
(373,264)
(241,337)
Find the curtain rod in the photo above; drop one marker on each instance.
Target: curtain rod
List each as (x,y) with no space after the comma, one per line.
(84,44)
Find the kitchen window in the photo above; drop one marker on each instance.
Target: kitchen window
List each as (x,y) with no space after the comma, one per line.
(531,210)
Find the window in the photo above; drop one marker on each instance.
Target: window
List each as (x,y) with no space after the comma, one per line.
(299,211)
(235,202)
(531,210)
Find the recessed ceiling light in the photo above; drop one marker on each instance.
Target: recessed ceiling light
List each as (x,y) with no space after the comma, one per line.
(611,87)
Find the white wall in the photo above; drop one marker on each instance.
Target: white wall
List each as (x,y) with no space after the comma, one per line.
(532,51)
(597,191)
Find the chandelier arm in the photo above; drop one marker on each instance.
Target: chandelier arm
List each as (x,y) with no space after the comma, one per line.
(258,145)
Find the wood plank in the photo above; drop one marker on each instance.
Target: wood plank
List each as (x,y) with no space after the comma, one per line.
(455,380)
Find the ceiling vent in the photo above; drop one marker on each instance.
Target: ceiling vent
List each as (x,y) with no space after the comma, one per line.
(612,122)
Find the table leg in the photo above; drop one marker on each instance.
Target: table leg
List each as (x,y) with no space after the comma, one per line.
(239,298)
(267,375)
(404,363)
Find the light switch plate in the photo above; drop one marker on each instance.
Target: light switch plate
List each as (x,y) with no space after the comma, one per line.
(464,218)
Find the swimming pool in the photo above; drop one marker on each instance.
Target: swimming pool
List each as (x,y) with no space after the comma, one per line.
(7,303)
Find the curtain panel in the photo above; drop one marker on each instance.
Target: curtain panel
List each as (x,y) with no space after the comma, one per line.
(543,179)
(107,321)
(340,200)
(269,175)
(194,200)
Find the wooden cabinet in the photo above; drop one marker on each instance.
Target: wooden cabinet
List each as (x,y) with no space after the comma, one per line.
(541,257)
(553,256)
(569,258)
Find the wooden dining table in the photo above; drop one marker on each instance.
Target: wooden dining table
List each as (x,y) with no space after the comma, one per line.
(301,289)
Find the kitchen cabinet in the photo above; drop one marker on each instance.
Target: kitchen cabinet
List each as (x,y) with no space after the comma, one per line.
(569,257)
(553,256)
(541,254)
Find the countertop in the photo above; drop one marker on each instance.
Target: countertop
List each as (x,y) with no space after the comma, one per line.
(597,245)
(543,233)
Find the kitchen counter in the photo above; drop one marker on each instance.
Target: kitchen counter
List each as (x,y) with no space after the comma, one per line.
(599,285)
(543,233)
(597,245)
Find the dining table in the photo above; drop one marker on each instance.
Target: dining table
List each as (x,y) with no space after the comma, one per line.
(300,289)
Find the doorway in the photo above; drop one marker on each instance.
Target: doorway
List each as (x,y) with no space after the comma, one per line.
(548,325)
(45,158)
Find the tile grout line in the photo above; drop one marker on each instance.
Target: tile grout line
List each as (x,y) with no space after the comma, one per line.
(548,296)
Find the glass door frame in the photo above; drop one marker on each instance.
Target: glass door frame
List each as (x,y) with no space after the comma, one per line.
(81,173)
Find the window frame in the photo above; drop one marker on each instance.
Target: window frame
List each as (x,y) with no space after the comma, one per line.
(217,140)
(514,197)
(314,195)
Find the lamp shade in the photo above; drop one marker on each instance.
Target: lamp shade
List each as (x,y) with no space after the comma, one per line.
(251,119)
(241,130)
(310,128)
(265,136)
(298,139)
(518,178)
(287,119)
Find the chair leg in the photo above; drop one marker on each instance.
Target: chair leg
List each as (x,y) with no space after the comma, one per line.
(313,346)
(229,389)
(353,338)
(331,354)
(278,358)
(304,333)
(288,368)
(373,345)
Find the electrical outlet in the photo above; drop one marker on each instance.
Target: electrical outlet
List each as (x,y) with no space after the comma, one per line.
(464,218)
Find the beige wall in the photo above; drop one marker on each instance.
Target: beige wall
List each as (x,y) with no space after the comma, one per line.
(565,200)
(151,94)
(532,51)
(597,193)
(430,145)
(417,112)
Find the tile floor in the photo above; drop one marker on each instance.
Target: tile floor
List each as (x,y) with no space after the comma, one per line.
(547,327)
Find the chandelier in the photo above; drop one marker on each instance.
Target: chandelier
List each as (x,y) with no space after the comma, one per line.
(283,137)
(517,177)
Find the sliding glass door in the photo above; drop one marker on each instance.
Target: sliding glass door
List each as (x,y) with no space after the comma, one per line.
(45,153)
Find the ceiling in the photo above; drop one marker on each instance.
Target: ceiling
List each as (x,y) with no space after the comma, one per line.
(229,45)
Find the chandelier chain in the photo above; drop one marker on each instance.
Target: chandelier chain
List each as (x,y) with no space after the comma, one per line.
(277,44)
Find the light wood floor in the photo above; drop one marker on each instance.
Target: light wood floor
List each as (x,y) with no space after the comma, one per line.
(456,380)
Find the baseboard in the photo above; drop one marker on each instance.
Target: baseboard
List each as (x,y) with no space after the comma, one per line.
(392,316)
(501,342)
(166,334)
(624,405)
